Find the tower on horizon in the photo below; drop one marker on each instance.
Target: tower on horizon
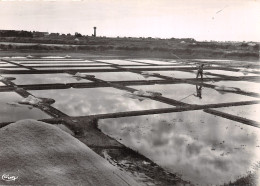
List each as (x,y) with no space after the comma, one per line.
(94,35)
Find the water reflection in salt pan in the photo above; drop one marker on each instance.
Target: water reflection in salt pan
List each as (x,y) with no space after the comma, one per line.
(203,148)
(80,102)
(25,79)
(188,94)
(10,110)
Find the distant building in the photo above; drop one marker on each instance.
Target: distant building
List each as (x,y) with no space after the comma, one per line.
(188,40)
(54,34)
(40,34)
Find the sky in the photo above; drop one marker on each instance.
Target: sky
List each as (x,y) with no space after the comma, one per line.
(219,20)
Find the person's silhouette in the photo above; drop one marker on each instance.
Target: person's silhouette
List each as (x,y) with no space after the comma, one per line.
(200,71)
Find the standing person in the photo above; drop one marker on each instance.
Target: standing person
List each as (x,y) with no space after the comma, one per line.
(200,71)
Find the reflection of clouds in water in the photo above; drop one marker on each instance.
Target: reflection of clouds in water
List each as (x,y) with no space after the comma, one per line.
(230,73)
(13,112)
(80,102)
(203,148)
(120,62)
(175,74)
(120,76)
(23,79)
(181,91)
(246,111)
(243,85)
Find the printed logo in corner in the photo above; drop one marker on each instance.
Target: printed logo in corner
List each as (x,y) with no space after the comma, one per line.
(7,177)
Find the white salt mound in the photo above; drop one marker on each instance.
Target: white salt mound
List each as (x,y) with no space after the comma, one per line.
(31,100)
(78,74)
(133,96)
(146,93)
(37,153)
(223,88)
(149,73)
(2,78)
(18,57)
(52,57)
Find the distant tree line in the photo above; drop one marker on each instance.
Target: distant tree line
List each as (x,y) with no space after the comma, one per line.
(13,33)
